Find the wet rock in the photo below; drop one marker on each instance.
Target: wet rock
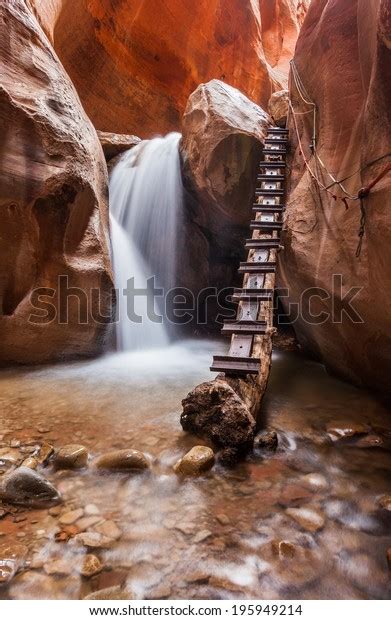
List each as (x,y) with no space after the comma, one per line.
(315,482)
(370,441)
(122,460)
(91,510)
(45,452)
(10,456)
(91,565)
(266,440)
(54,511)
(283,549)
(72,456)
(229,457)
(197,461)
(93,539)
(223,519)
(87,522)
(30,462)
(308,518)
(27,487)
(201,536)
(59,566)
(12,558)
(109,529)
(385,502)
(71,517)
(346,430)
(115,143)
(115,593)
(214,410)
(278,107)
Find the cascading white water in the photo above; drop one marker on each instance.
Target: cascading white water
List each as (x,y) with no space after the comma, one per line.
(146,197)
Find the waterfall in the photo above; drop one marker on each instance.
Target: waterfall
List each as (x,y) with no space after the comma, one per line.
(145,210)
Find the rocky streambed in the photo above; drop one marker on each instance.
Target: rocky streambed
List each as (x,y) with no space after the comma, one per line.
(306,517)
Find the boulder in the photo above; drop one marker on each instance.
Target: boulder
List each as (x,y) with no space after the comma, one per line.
(27,487)
(54,223)
(309,519)
(213,410)
(135,64)
(91,565)
(71,456)
(197,461)
(114,144)
(278,107)
(349,329)
(122,460)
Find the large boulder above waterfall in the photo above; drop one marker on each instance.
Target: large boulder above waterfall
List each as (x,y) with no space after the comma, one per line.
(54,214)
(352,93)
(223,133)
(134,64)
(214,411)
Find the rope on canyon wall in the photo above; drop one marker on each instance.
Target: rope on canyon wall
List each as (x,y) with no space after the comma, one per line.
(364,191)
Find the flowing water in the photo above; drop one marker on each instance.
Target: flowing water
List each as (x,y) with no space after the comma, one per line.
(145,214)
(216,536)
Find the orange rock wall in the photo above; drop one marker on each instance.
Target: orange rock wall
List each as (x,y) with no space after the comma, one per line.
(135,63)
(343,56)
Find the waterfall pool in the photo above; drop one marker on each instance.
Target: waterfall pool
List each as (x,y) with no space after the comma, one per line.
(218,536)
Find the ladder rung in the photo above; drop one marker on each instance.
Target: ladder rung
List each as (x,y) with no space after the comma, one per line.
(259,208)
(280,140)
(235,365)
(269,192)
(270,177)
(259,225)
(266,267)
(272,164)
(254,244)
(248,328)
(252,294)
(267,151)
(278,130)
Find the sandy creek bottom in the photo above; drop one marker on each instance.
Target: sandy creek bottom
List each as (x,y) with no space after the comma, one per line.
(215,536)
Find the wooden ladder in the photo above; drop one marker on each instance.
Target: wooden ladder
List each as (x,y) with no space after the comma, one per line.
(261,262)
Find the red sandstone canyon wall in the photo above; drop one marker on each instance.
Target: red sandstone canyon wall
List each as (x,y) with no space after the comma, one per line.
(134,64)
(343,56)
(53,200)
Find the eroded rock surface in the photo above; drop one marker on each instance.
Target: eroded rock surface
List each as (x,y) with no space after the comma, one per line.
(54,217)
(353,129)
(114,144)
(135,64)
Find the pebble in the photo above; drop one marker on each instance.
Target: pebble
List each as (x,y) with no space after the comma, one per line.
(9,455)
(45,452)
(309,519)
(267,440)
(201,536)
(58,567)
(93,539)
(385,502)
(344,430)
(115,593)
(54,511)
(223,519)
(71,517)
(122,460)
(12,558)
(109,529)
(30,462)
(91,510)
(71,456)
(91,565)
(316,482)
(197,461)
(283,549)
(86,522)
